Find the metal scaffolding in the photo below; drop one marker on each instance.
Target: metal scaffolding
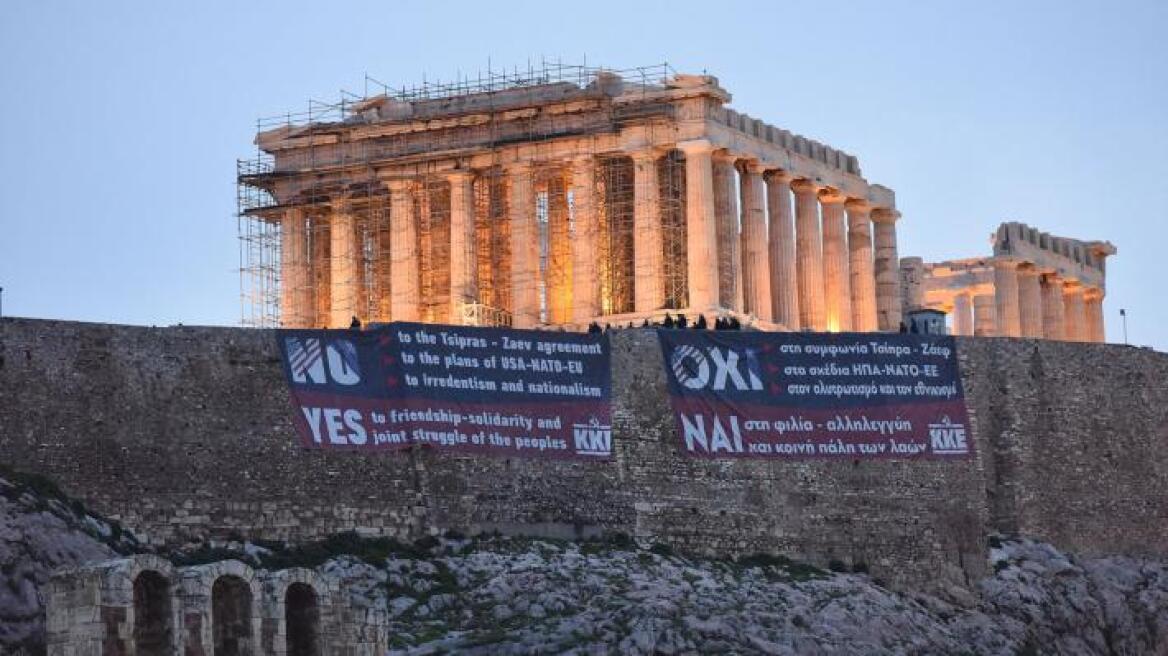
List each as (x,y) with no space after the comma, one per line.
(671,196)
(328,187)
(615,209)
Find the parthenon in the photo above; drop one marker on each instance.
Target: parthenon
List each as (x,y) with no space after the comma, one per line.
(1035,285)
(558,197)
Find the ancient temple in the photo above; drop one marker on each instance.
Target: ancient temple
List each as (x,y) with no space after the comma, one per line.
(556,197)
(1035,285)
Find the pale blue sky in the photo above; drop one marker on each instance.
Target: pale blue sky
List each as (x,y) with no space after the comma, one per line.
(120,123)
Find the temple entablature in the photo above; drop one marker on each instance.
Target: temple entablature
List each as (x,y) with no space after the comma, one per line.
(1074,259)
(592,113)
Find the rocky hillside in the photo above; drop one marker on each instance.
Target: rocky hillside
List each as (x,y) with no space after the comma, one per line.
(41,530)
(524,597)
(496,595)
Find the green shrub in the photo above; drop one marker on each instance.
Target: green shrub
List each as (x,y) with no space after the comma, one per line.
(661,549)
(786,568)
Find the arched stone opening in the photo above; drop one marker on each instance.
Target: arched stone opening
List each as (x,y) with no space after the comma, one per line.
(302,620)
(231,620)
(153,616)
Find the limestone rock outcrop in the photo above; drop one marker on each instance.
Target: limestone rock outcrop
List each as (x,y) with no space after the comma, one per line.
(41,531)
(524,596)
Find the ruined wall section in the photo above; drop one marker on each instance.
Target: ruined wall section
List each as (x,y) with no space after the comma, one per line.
(1075,439)
(184,432)
(885,514)
(181,431)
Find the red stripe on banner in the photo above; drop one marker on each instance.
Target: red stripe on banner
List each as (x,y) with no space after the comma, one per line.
(935,430)
(558,429)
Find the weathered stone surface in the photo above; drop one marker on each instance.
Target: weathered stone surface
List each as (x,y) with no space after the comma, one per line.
(1029,273)
(519,597)
(40,533)
(184,433)
(334,178)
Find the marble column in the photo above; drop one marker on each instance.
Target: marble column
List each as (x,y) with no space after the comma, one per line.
(1006,297)
(963,315)
(809,256)
(756,274)
(1052,307)
(860,266)
(585,284)
(781,251)
(1093,315)
(344,267)
(295,292)
(985,315)
(726,209)
(648,248)
(701,225)
(1074,320)
(463,264)
(886,265)
(404,266)
(912,282)
(524,246)
(1029,303)
(837,291)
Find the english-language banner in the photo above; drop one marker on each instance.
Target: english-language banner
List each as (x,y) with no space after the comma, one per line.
(521,393)
(816,395)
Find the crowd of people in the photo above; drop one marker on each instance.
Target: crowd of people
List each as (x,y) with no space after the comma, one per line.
(680,322)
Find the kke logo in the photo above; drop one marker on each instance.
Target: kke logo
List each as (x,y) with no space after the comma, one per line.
(593,438)
(336,362)
(697,368)
(948,438)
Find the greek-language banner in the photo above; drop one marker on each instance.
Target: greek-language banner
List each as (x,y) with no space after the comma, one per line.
(490,390)
(816,395)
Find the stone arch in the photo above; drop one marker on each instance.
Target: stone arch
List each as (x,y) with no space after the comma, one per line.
(221,604)
(298,612)
(302,619)
(231,617)
(153,627)
(148,586)
(133,597)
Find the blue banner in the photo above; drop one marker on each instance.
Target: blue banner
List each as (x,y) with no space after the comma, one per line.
(820,395)
(492,390)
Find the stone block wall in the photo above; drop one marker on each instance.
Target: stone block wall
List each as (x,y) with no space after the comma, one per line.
(92,610)
(185,432)
(1074,437)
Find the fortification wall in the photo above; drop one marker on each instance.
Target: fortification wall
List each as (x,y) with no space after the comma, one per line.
(185,432)
(1075,436)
